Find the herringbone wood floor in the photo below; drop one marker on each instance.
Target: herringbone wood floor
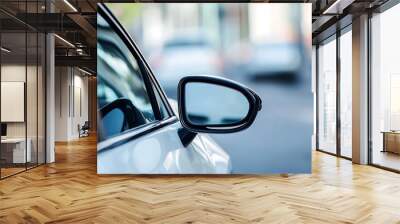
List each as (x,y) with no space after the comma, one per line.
(70,191)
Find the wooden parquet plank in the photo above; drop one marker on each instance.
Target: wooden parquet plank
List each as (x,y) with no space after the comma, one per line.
(70,191)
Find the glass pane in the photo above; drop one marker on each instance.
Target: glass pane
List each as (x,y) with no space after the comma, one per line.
(327,97)
(41,98)
(31,98)
(386,89)
(13,86)
(346,94)
(32,88)
(22,82)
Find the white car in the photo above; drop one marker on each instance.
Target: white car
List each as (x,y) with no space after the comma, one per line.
(138,129)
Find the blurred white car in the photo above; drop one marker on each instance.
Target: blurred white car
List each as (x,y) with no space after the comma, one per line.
(273,60)
(183,55)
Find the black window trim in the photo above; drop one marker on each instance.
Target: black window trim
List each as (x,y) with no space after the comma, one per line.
(149,80)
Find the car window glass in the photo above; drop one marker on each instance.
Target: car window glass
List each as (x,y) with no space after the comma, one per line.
(119,77)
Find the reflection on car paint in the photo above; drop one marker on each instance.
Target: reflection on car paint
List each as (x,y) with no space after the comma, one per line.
(149,154)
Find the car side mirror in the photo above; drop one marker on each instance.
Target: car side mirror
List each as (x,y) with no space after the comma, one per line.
(216,105)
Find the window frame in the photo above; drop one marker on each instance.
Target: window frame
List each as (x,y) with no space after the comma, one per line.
(151,85)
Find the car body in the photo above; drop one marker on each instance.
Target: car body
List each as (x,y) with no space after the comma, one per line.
(187,53)
(139,130)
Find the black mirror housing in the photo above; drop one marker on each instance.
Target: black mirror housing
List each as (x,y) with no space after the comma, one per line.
(221,105)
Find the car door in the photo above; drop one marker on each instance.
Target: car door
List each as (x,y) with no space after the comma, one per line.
(137,127)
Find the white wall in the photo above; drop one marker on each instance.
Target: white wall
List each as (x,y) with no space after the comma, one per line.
(79,118)
(70,83)
(62,81)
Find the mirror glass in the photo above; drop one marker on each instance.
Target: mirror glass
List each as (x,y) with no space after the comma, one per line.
(211,104)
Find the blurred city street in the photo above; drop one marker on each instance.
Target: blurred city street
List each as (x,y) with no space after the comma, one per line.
(266,47)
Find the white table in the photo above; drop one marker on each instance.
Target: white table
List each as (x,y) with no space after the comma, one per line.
(19,153)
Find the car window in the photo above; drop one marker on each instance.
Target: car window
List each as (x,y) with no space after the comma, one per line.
(121,91)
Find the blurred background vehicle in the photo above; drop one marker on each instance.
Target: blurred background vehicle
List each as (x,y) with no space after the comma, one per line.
(274,61)
(177,58)
(238,41)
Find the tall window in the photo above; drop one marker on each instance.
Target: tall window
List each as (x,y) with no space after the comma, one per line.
(345,94)
(327,96)
(385,95)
